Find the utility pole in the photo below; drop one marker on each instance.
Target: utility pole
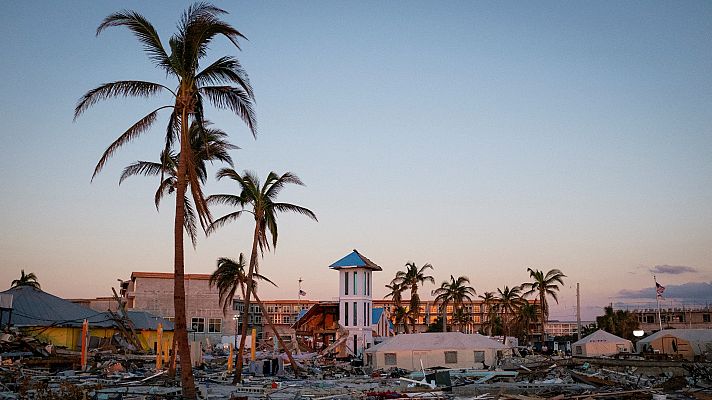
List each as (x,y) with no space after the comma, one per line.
(578,311)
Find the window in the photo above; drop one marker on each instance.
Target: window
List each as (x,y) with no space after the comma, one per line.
(214,325)
(365,286)
(270,309)
(479,356)
(346,313)
(368,283)
(705,318)
(365,314)
(450,357)
(355,313)
(355,283)
(649,319)
(390,359)
(197,324)
(579,350)
(476,308)
(171,319)
(346,284)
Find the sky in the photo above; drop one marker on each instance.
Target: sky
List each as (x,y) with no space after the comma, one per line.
(484,138)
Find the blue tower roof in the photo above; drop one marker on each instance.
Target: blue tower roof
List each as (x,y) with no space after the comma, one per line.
(355,260)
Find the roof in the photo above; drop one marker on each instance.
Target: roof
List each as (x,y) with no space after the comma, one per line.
(437,341)
(145,321)
(700,339)
(33,307)
(355,260)
(316,309)
(601,336)
(167,275)
(376,315)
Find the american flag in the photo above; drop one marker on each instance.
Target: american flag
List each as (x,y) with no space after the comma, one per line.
(302,293)
(659,289)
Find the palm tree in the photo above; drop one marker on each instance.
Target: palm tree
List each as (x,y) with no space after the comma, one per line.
(525,316)
(223,83)
(619,322)
(461,317)
(401,317)
(207,144)
(396,293)
(260,201)
(544,285)
(489,301)
(228,277)
(412,277)
(454,292)
(508,301)
(26,280)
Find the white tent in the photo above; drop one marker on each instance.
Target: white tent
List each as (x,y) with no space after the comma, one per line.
(449,350)
(689,344)
(601,343)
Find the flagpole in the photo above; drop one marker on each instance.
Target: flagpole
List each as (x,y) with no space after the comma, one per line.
(657,300)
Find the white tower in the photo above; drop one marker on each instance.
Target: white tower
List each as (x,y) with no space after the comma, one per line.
(355,305)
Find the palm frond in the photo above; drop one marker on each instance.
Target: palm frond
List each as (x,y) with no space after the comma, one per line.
(144,32)
(233,216)
(234,99)
(132,133)
(145,168)
(118,89)
(286,207)
(225,69)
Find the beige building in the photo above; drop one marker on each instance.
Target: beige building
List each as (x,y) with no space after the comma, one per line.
(691,317)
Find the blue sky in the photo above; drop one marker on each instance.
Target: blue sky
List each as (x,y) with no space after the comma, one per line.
(482,137)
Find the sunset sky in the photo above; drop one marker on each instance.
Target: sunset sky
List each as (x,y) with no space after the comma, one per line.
(480,137)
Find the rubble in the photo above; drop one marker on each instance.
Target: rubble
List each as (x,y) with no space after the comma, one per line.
(30,369)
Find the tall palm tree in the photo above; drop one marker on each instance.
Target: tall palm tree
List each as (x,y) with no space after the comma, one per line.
(411,278)
(489,301)
(543,285)
(207,144)
(508,301)
(223,83)
(26,280)
(260,201)
(454,292)
(229,276)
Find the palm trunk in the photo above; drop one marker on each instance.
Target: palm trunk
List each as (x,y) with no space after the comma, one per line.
(505,327)
(276,334)
(246,309)
(444,317)
(186,371)
(543,322)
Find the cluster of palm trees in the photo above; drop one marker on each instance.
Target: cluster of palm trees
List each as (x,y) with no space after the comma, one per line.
(190,143)
(508,311)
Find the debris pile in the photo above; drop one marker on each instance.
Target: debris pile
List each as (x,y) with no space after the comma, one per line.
(31,369)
